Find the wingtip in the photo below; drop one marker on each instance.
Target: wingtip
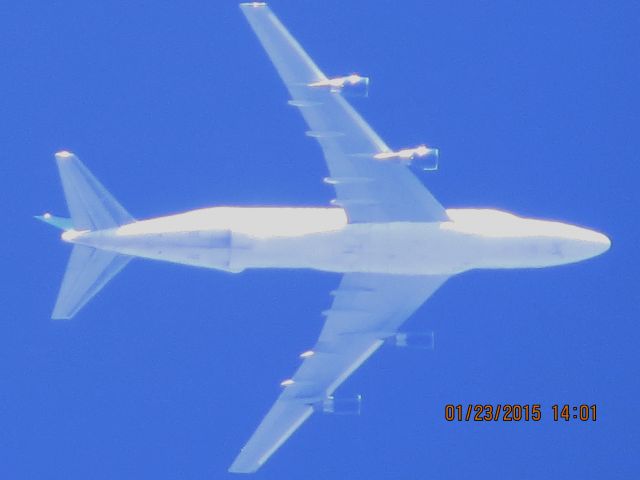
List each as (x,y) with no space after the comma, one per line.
(239,469)
(241,465)
(57,314)
(64,155)
(253,5)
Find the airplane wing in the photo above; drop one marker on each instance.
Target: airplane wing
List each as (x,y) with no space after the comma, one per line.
(367,309)
(369,189)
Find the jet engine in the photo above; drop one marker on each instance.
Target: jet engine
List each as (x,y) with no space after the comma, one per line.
(422,157)
(341,405)
(417,340)
(352,85)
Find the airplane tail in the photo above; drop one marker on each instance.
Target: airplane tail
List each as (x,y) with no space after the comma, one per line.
(92,208)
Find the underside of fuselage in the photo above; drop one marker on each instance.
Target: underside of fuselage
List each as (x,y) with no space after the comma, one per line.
(238,238)
(233,239)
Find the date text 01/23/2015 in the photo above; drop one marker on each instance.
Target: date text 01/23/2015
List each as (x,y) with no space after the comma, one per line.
(518,412)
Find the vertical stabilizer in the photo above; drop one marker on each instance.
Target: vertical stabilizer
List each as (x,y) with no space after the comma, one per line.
(91,206)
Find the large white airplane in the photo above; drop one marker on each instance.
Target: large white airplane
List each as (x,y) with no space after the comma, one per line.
(391,240)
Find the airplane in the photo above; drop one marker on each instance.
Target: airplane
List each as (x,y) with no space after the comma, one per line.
(393,243)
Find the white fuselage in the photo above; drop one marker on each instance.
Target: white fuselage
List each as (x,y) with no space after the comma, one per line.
(237,238)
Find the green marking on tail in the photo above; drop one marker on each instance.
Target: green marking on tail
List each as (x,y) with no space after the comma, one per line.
(62,223)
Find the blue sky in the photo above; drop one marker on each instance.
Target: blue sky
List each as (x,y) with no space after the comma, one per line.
(174,106)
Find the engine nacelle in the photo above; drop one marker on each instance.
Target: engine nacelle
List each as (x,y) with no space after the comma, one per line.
(352,85)
(421,157)
(417,340)
(341,406)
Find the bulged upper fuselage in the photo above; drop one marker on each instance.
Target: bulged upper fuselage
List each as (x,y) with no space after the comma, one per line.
(237,238)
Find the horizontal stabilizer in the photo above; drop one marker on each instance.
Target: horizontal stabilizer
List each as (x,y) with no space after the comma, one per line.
(87,272)
(91,206)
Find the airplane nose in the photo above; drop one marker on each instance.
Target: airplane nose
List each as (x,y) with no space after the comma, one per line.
(602,241)
(589,243)
(597,242)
